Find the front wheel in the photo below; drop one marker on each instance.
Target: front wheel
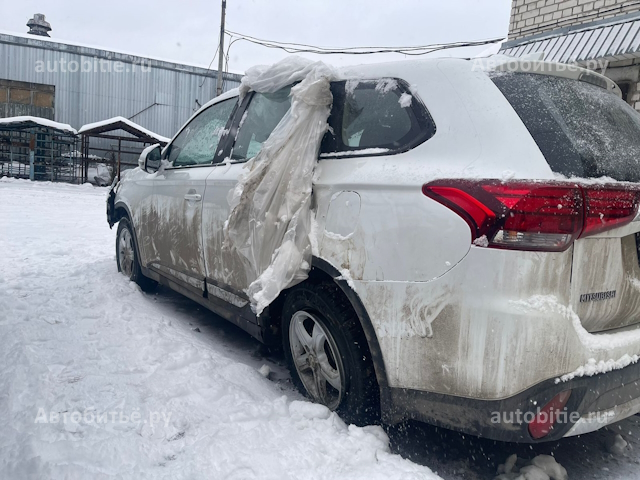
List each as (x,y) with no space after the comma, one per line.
(127,256)
(327,352)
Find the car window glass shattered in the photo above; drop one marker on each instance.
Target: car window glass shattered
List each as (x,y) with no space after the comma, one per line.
(197,142)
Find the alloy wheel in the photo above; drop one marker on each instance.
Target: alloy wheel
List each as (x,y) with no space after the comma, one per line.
(126,255)
(316,359)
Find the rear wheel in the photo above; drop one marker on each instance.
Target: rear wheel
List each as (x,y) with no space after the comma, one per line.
(127,256)
(327,352)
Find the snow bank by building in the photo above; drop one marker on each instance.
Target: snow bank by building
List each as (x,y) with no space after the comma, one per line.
(80,340)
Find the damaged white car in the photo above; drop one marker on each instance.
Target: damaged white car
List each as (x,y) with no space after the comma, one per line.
(445,240)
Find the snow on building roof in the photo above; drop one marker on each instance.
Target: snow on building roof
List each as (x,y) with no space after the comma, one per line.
(121,123)
(26,121)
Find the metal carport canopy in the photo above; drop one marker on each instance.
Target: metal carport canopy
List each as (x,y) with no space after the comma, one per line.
(612,39)
(121,123)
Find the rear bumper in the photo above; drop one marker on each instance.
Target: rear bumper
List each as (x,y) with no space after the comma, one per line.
(594,403)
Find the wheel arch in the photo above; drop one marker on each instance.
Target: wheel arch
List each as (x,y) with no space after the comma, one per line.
(121,210)
(321,270)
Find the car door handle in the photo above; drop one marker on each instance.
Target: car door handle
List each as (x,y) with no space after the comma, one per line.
(195,197)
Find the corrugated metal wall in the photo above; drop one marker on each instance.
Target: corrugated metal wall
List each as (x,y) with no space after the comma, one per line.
(158,95)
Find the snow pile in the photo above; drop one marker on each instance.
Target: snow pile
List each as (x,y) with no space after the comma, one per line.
(482,241)
(593,367)
(595,343)
(405,100)
(542,467)
(616,445)
(99,380)
(270,219)
(345,275)
(355,153)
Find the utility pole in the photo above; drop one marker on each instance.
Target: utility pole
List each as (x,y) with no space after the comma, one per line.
(221,50)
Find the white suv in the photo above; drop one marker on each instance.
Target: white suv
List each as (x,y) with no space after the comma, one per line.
(475,244)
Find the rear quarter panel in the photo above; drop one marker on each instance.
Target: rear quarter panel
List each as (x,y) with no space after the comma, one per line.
(441,327)
(400,234)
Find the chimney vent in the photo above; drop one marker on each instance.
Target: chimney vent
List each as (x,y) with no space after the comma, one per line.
(39,26)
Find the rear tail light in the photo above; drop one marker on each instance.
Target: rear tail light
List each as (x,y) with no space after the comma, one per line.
(541,216)
(608,207)
(547,416)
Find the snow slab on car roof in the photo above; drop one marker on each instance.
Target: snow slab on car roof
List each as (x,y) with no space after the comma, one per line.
(268,228)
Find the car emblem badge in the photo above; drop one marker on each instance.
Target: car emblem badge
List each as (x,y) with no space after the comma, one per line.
(596,297)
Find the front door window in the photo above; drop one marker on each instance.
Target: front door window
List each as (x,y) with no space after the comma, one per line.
(196,144)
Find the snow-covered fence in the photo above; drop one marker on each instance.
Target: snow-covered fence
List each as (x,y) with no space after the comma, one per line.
(37,148)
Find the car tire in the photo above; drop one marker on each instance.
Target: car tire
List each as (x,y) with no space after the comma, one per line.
(330,363)
(127,256)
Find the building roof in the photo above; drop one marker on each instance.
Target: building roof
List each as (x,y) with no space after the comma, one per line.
(121,123)
(102,53)
(613,39)
(19,123)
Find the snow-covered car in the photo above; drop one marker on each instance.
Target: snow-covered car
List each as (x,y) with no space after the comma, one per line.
(475,243)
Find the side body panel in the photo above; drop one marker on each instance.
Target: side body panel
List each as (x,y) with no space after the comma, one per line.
(175,226)
(215,213)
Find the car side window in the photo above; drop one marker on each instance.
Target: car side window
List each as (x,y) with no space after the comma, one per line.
(196,144)
(375,114)
(260,119)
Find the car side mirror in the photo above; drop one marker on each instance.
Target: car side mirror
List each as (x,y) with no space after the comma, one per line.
(150,158)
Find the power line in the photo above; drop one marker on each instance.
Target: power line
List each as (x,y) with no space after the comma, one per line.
(210,63)
(304,48)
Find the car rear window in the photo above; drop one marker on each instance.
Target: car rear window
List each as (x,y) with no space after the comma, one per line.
(375,117)
(581,129)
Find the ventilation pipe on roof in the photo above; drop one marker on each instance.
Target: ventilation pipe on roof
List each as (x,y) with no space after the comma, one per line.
(38,25)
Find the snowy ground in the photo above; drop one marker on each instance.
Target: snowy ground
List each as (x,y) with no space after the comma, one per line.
(77,339)
(153,386)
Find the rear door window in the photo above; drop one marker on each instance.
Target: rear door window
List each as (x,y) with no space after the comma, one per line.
(375,116)
(581,129)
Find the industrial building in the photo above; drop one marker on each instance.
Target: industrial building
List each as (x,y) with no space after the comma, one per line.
(77,85)
(82,84)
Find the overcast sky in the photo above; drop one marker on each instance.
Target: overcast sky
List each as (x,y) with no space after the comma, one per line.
(187,31)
